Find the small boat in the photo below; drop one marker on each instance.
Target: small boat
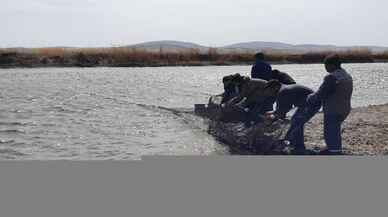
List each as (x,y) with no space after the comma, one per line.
(230,126)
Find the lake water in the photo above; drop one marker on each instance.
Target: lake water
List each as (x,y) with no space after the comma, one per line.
(126,113)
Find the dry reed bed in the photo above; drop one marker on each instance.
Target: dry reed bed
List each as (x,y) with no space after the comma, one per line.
(125,56)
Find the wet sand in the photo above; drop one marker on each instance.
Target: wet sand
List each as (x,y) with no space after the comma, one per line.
(364,132)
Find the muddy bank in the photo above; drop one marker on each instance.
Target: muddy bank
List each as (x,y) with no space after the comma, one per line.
(365,131)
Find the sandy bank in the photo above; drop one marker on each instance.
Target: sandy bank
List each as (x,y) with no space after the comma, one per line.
(364,132)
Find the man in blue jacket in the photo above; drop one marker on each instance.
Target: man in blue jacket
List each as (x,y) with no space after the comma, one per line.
(261,69)
(335,94)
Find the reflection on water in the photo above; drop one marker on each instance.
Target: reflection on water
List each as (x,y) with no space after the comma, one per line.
(125,113)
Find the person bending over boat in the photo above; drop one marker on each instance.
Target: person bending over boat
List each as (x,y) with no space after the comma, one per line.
(283,78)
(254,96)
(291,96)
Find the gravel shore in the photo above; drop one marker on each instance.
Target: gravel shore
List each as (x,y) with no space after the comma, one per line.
(364,132)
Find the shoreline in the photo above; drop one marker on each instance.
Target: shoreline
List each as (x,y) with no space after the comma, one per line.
(133,57)
(163,65)
(364,132)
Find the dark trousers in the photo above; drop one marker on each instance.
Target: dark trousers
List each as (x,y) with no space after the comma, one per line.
(296,132)
(332,131)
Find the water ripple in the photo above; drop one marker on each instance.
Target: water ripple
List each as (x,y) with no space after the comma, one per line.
(11,152)
(12,131)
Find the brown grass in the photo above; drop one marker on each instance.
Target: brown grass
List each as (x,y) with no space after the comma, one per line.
(124,56)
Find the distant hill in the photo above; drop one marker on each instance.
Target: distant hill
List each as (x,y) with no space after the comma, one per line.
(168,45)
(260,45)
(253,46)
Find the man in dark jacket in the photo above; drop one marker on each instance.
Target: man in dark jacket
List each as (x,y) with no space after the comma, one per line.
(261,69)
(335,94)
(290,96)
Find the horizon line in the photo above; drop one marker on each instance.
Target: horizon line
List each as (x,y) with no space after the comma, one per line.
(198,44)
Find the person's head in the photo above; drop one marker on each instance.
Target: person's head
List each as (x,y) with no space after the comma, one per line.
(272,87)
(228,82)
(241,81)
(275,72)
(232,81)
(259,56)
(332,63)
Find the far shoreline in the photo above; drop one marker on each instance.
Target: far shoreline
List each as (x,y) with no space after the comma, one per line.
(166,65)
(134,58)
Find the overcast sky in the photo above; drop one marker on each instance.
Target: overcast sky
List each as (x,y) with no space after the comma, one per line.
(37,23)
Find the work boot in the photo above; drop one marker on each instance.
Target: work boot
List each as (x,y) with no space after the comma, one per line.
(327,152)
(303,152)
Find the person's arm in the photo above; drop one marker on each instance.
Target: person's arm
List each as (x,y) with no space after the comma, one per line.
(269,68)
(282,109)
(241,98)
(283,106)
(253,71)
(325,90)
